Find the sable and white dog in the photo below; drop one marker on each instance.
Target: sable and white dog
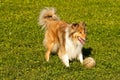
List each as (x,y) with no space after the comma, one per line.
(65,39)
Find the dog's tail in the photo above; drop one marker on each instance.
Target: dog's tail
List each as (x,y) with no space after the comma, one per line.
(47,15)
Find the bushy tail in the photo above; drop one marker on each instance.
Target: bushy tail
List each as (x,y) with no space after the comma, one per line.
(47,15)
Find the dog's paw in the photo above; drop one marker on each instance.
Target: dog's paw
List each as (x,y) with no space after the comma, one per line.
(47,57)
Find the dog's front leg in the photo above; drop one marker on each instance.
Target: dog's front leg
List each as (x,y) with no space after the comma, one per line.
(65,60)
(80,58)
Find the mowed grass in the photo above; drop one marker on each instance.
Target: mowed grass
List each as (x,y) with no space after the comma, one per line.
(22,52)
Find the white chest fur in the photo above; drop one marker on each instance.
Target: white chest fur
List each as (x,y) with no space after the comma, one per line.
(72,49)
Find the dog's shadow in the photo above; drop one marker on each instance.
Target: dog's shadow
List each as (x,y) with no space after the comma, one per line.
(87,52)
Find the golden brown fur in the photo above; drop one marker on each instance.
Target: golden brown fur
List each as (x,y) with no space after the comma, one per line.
(65,39)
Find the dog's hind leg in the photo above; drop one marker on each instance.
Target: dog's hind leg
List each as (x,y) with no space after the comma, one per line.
(47,54)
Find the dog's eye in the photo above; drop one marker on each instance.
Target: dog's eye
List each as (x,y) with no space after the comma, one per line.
(80,32)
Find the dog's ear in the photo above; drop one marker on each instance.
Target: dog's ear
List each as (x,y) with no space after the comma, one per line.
(75,25)
(82,24)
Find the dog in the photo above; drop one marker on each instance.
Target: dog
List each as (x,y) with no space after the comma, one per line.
(65,39)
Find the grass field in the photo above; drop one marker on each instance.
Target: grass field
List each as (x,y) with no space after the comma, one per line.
(22,52)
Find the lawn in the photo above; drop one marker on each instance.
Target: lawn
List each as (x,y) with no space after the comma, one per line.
(22,52)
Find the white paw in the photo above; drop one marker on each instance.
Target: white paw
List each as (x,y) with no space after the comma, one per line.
(80,58)
(65,60)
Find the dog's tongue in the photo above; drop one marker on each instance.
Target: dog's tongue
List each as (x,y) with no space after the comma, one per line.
(81,40)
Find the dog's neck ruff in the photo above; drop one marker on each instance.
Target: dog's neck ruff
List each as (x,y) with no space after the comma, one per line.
(72,48)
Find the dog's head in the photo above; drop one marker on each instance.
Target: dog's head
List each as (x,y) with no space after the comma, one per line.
(78,32)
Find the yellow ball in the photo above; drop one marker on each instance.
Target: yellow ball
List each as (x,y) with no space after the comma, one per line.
(89,62)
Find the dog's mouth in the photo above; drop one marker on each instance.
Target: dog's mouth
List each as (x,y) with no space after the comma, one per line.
(82,41)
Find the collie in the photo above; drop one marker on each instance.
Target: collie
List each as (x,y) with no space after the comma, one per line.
(65,39)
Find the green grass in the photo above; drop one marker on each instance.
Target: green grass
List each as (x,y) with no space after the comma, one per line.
(22,52)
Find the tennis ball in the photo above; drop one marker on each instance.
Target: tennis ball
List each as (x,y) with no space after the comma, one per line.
(89,62)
